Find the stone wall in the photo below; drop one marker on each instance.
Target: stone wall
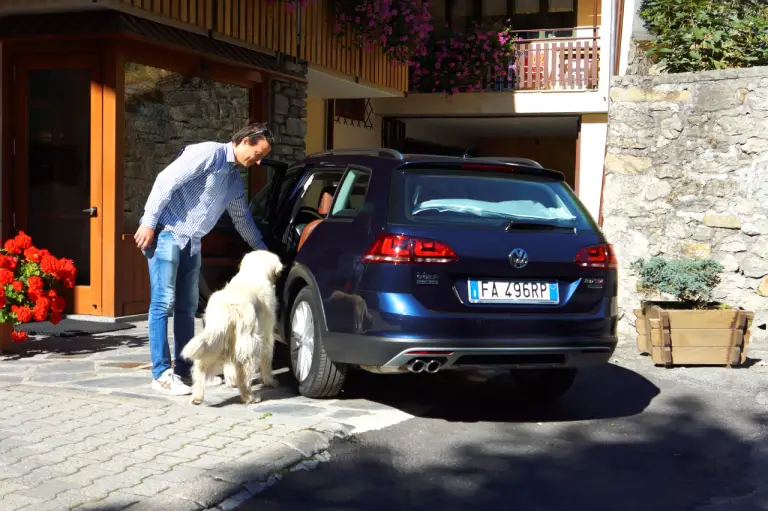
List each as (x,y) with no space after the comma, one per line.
(164,112)
(289,113)
(687,176)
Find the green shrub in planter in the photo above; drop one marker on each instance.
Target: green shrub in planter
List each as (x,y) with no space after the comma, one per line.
(689,281)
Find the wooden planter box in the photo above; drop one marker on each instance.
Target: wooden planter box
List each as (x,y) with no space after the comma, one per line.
(675,336)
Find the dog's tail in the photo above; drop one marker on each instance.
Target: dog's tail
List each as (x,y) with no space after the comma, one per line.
(219,328)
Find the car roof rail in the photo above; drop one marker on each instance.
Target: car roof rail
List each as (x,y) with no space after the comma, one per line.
(507,159)
(378,151)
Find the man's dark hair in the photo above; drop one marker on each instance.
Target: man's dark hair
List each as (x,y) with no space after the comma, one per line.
(253,132)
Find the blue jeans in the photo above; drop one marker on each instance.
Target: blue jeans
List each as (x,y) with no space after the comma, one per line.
(173,277)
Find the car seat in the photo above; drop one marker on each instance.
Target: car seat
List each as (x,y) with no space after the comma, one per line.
(326,198)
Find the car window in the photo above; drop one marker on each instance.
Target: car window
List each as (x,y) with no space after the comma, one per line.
(286,184)
(351,195)
(317,187)
(483,199)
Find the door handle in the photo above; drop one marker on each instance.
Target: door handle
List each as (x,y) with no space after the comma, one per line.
(92,211)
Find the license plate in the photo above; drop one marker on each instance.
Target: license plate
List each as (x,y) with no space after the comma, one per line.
(495,291)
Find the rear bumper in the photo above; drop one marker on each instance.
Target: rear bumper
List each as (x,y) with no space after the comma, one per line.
(465,353)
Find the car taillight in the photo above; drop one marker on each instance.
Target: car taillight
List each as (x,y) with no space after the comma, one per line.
(598,256)
(401,249)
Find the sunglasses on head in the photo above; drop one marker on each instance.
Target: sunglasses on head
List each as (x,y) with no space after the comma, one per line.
(266,133)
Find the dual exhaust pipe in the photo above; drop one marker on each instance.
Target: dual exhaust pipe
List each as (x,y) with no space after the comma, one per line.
(418,365)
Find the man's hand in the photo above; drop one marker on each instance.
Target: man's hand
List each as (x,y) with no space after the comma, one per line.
(144,236)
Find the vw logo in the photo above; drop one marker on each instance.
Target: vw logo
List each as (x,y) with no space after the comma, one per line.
(518,258)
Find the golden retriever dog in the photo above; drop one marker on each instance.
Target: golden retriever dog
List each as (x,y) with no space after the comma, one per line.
(239,329)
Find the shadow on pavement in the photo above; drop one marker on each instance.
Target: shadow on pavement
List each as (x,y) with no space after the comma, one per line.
(677,456)
(613,392)
(77,347)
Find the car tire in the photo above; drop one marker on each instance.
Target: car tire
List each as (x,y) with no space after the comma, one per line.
(318,376)
(544,384)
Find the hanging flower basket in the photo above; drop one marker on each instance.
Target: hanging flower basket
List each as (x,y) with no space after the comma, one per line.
(29,278)
(465,61)
(401,27)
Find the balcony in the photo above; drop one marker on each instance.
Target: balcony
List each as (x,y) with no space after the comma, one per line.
(306,33)
(557,62)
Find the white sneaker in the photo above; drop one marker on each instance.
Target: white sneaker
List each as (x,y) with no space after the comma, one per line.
(170,383)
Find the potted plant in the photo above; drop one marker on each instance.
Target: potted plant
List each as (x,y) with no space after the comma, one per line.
(692,329)
(29,278)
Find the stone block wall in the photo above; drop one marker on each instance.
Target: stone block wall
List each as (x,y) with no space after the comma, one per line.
(687,176)
(289,113)
(164,112)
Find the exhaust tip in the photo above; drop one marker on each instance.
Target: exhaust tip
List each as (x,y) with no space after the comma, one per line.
(433,366)
(416,366)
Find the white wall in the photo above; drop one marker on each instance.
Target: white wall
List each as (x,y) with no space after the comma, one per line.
(594,132)
(632,28)
(347,136)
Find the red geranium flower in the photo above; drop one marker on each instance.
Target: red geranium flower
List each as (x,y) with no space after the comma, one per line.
(17,285)
(23,241)
(2,300)
(58,304)
(35,282)
(12,247)
(24,314)
(6,277)
(33,254)
(7,262)
(17,336)
(40,311)
(48,264)
(55,318)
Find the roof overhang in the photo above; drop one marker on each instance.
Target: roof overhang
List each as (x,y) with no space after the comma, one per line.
(108,22)
(326,84)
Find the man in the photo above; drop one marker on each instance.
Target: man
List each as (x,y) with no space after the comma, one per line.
(186,201)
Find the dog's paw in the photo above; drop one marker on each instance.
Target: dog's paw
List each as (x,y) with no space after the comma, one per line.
(269,382)
(231,382)
(250,399)
(195,401)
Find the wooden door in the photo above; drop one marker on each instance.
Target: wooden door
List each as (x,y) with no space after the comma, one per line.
(58,164)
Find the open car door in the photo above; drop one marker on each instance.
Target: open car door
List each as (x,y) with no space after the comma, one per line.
(223,247)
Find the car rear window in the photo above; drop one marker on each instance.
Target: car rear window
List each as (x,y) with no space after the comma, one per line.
(483,199)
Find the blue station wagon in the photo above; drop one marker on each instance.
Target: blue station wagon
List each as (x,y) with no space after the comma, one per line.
(421,263)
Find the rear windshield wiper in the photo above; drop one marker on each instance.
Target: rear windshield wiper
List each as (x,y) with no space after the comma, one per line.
(519,225)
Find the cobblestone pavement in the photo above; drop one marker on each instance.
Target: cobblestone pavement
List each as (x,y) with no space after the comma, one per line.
(80,428)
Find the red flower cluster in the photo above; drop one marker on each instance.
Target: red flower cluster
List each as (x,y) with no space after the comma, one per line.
(28,277)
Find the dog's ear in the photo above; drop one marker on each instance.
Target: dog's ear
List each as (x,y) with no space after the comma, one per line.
(276,269)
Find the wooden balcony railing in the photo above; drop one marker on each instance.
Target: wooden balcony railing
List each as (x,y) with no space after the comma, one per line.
(319,45)
(306,33)
(551,64)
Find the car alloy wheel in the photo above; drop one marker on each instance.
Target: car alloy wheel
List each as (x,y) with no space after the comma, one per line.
(303,337)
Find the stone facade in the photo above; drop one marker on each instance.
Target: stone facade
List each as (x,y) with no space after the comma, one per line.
(164,112)
(687,176)
(289,113)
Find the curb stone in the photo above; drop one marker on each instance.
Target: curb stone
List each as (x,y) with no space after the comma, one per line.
(233,483)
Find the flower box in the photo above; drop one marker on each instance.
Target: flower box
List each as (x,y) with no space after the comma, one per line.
(672,335)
